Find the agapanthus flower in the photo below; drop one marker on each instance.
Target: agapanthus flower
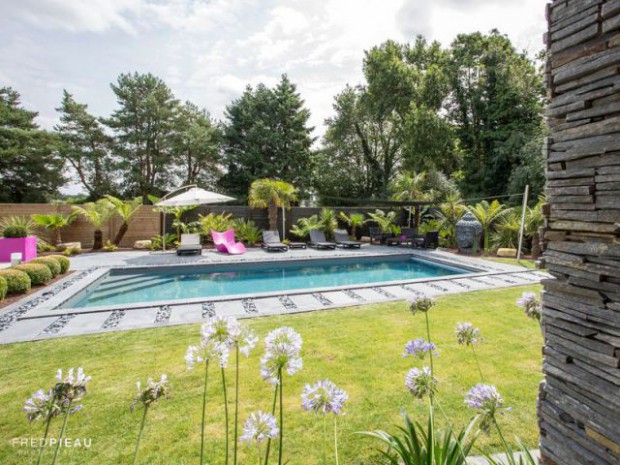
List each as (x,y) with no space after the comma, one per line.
(421,304)
(152,393)
(205,352)
(71,388)
(421,383)
(418,348)
(282,349)
(323,397)
(258,427)
(41,405)
(467,334)
(485,399)
(245,339)
(530,305)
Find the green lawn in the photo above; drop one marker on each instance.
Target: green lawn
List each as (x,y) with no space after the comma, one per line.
(358,348)
(531,264)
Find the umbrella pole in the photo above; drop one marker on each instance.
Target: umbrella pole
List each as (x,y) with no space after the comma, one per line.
(163,233)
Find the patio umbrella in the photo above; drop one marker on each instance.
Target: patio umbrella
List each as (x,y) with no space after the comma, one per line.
(193,196)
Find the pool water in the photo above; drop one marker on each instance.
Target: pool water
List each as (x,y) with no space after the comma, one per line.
(125,287)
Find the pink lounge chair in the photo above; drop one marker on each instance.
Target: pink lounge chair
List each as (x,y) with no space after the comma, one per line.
(225,242)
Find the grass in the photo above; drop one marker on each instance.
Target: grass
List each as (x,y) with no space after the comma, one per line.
(358,348)
(531,264)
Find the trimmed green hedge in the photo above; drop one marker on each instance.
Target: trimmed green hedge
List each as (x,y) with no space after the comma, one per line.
(64,262)
(16,231)
(51,263)
(39,273)
(17,281)
(3,288)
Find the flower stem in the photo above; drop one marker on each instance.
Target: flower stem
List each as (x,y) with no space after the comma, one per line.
(47,429)
(428,335)
(236,405)
(324,440)
(62,432)
(135,454)
(225,412)
(458,443)
(281,418)
(473,349)
(509,454)
(204,411)
(431,397)
(336,437)
(273,412)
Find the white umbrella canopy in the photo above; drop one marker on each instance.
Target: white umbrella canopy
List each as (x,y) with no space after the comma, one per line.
(194,196)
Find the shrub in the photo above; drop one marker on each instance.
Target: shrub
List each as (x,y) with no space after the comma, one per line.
(64,262)
(157,242)
(44,247)
(71,251)
(246,231)
(51,263)
(110,246)
(218,223)
(3,288)
(22,222)
(17,281)
(15,231)
(39,273)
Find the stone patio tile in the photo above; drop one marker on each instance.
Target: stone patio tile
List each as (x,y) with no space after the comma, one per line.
(340,298)
(369,295)
(25,329)
(186,314)
(397,291)
(269,305)
(139,318)
(85,322)
(305,302)
(229,308)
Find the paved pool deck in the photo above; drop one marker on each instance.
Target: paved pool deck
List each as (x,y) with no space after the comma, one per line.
(41,316)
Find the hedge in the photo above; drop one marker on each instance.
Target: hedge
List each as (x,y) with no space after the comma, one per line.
(3,288)
(64,262)
(51,263)
(39,273)
(17,281)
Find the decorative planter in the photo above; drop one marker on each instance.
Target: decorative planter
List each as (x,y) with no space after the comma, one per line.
(27,246)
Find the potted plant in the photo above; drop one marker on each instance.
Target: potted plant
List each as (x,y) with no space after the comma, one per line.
(18,238)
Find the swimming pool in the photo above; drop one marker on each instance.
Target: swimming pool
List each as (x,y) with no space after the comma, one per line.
(126,286)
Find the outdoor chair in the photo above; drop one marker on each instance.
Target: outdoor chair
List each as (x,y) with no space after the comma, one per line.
(377,234)
(271,242)
(341,238)
(190,244)
(318,240)
(429,240)
(225,242)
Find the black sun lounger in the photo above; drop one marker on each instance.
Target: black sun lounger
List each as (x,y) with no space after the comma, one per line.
(318,240)
(342,239)
(271,242)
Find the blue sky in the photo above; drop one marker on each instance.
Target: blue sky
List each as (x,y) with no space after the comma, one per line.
(207,51)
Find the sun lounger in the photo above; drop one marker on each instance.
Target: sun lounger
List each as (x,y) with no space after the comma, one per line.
(190,244)
(271,242)
(225,242)
(341,238)
(318,240)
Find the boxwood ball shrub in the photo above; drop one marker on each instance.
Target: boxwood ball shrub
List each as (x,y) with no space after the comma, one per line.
(3,288)
(39,273)
(15,231)
(51,263)
(17,281)
(64,262)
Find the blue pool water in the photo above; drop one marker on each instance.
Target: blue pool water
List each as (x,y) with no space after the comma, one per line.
(124,287)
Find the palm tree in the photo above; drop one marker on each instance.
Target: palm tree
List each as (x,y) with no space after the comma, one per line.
(383,220)
(54,222)
(354,220)
(272,194)
(534,220)
(328,221)
(488,214)
(96,213)
(448,214)
(305,225)
(408,186)
(126,209)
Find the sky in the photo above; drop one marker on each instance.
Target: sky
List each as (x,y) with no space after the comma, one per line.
(207,51)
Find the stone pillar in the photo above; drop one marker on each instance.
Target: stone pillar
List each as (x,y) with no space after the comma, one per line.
(579,403)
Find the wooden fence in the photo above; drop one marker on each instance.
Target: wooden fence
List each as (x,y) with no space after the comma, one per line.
(579,403)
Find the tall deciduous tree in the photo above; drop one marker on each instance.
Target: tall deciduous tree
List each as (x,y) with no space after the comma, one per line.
(30,168)
(85,145)
(496,106)
(197,144)
(144,125)
(267,136)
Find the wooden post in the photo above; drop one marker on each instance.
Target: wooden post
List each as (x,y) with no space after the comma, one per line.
(523,209)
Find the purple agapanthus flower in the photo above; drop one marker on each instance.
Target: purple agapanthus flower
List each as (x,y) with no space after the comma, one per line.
(258,427)
(484,398)
(41,405)
(153,391)
(421,303)
(418,348)
(421,383)
(70,389)
(530,305)
(467,334)
(206,352)
(282,353)
(323,397)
